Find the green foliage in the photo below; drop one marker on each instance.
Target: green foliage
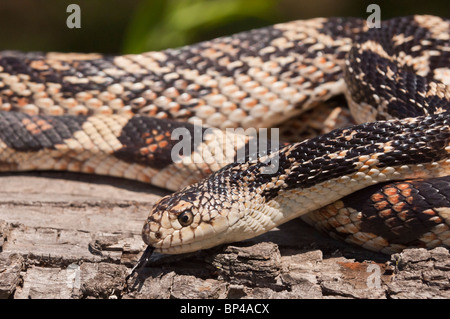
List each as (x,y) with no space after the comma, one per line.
(160,24)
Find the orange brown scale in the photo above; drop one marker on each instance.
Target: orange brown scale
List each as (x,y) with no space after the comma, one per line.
(398,207)
(44,125)
(21,102)
(33,129)
(402,215)
(429,212)
(377,197)
(381,204)
(389,191)
(386,213)
(406,192)
(394,199)
(158,138)
(163,144)
(39,65)
(153,147)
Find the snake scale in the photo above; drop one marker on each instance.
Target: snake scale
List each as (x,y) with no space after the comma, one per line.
(383,184)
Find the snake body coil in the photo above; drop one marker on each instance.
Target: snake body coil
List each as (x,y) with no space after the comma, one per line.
(382,184)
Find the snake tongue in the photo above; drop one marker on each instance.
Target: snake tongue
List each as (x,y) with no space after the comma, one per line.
(143,260)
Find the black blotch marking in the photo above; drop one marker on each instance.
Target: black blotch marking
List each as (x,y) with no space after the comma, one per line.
(142,132)
(405,91)
(15,135)
(427,194)
(342,27)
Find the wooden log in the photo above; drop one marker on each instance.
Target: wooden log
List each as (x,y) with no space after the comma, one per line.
(77,236)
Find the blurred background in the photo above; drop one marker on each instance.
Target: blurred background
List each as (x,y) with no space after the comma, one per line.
(133,26)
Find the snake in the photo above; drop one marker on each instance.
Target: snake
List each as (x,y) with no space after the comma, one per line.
(382,183)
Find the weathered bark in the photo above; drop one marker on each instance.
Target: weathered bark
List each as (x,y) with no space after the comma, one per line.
(76,236)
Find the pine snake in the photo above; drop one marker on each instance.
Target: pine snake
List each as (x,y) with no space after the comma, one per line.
(383,184)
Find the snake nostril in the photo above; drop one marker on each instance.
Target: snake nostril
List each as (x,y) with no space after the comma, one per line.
(147,237)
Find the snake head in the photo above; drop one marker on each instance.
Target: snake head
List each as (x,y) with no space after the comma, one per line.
(217,210)
(185,221)
(200,216)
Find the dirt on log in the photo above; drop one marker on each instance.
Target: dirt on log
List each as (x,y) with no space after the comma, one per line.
(77,236)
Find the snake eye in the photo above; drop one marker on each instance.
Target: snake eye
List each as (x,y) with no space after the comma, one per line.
(186,218)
